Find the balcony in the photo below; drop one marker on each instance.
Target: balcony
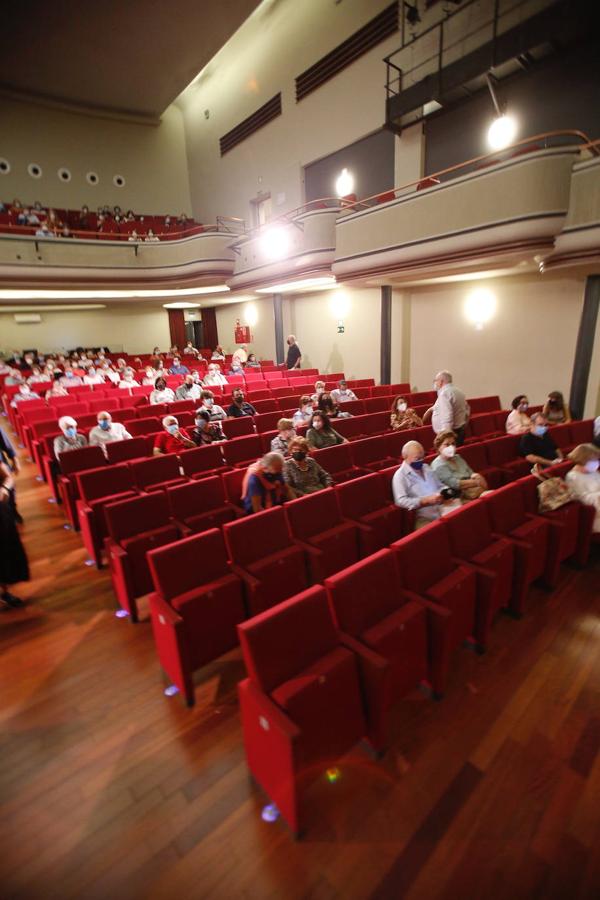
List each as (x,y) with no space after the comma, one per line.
(579,241)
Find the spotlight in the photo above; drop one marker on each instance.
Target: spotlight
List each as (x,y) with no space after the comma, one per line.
(270,813)
(344,184)
(480,307)
(275,242)
(502,132)
(412,14)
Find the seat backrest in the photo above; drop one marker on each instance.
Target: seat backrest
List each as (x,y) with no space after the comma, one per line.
(474,455)
(423,557)
(152,471)
(367,450)
(313,514)
(241,427)
(378,404)
(258,536)
(104,481)
(469,529)
(127,518)
(506,507)
(85,458)
(179,406)
(242,449)
(334,459)
(196,497)
(361,496)
(103,403)
(364,593)
(582,432)
(287,639)
(184,565)
(501,450)
(202,459)
(157,411)
(561,435)
(269,405)
(266,421)
(136,427)
(120,451)
(484,404)
(482,423)
(232,484)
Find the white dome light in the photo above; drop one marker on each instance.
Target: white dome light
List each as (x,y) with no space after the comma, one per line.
(344,184)
(502,132)
(480,307)
(275,242)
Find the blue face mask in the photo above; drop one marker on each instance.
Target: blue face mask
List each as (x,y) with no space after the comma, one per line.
(418,464)
(540,430)
(71,432)
(105,424)
(173,429)
(69,374)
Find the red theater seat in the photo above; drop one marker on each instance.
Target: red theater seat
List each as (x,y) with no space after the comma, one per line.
(196,607)
(483,426)
(502,453)
(203,461)
(271,565)
(475,456)
(122,451)
(371,454)
(136,526)
(367,502)
(97,488)
(139,427)
(387,629)
(70,463)
(200,505)
(428,569)
(157,473)
(300,705)
(338,462)
(267,421)
(240,427)
(582,432)
(330,541)
(242,451)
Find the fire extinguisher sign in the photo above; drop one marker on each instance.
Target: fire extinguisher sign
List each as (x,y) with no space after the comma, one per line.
(241,333)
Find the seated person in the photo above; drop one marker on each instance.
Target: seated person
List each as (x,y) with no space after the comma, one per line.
(161,393)
(92,376)
(518,422)
(110,373)
(177,367)
(216,412)
(36,376)
(327,405)
(24,393)
(263,486)
(537,446)
(321,432)
(172,439)
(452,470)
(206,432)
(415,486)
(304,412)
(236,367)
(214,376)
(584,478)
(240,407)
(107,431)
(319,389)
(128,379)
(403,416)
(252,362)
(57,389)
(152,238)
(190,350)
(189,390)
(555,409)
(302,474)
(70,379)
(342,393)
(218,353)
(286,432)
(150,377)
(69,439)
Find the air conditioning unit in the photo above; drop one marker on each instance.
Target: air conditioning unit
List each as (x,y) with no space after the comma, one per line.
(27,318)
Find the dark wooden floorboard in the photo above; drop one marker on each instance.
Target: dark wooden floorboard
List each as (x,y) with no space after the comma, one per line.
(110,789)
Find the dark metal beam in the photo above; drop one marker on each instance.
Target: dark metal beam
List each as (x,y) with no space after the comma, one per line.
(278,315)
(386,334)
(585,346)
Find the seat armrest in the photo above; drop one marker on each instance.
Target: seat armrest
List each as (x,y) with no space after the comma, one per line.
(249,580)
(308,548)
(275,719)
(523,545)
(165,613)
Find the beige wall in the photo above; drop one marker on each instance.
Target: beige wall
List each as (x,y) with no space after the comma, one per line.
(151,158)
(263,332)
(129,329)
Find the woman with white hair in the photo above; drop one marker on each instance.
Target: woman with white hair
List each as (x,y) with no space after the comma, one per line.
(69,439)
(172,439)
(584,478)
(128,379)
(416,487)
(263,486)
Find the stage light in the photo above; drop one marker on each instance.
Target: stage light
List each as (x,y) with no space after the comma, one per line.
(502,132)
(480,307)
(275,242)
(344,184)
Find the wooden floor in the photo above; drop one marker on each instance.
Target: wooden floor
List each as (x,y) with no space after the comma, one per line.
(110,789)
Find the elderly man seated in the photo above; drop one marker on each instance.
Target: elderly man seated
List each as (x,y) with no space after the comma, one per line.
(342,393)
(189,390)
(24,393)
(537,446)
(107,431)
(264,486)
(303,474)
(416,487)
(172,439)
(69,439)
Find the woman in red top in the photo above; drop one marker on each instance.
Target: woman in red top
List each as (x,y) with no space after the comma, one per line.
(173,439)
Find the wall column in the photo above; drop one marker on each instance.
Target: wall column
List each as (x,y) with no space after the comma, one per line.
(386,335)
(278,314)
(585,346)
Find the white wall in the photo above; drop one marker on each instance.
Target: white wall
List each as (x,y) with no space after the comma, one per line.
(129,329)
(151,158)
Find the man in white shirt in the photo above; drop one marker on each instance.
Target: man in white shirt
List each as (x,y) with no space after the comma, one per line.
(450,411)
(93,377)
(189,390)
(106,431)
(214,376)
(128,380)
(342,393)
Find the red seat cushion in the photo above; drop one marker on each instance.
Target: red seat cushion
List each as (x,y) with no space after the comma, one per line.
(281,575)
(339,546)
(136,548)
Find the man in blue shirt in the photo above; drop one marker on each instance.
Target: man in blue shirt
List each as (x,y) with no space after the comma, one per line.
(416,487)
(178,369)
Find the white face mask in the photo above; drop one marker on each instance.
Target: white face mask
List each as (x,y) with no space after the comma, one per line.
(592,466)
(402,407)
(449,451)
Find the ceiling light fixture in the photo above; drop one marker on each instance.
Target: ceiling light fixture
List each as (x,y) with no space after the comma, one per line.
(503,129)
(307,284)
(51,294)
(52,307)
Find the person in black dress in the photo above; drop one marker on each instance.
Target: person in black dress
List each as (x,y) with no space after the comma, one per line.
(13,560)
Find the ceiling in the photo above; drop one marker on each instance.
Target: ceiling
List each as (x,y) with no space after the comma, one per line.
(119,56)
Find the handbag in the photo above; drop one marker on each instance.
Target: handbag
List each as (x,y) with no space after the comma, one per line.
(552,494)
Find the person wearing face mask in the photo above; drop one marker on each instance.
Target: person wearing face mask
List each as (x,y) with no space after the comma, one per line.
(302,474)
(556,410)
(319,389)
(128,381)
(189,390)
(416,487)
(189,349)
(107,431)
(294,354)
(218,353)
(161,393)
(402,416)
(328,405)
(36,376)
(453,471)
(57,389)
(172,439)
(69,439)
(321,432)
(450,412)
(263,486)
(216,412)
(149,377)
(281,441)
(342,393)
(177,368)
(24,393)
(214,376)
(518,422)
(584,478)
(70,379)
(111,374)
(93,376)
(304,412)
(206,432)
(236,367)
(537,446)
(240,407)
(252,362)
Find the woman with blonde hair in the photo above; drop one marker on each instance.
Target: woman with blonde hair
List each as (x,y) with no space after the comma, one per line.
(584,478)
(285,433)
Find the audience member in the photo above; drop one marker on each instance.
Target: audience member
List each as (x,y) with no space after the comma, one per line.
(285,433)
(342,393)
(13,559)
(177,367)
(172,439)
(107,431)
(555,409)
(189,390)
(151,238)
(93,376)
(190,350)
(319,389)
(236,367)
(161,393)
(128,379)
(150,377)
(241,354)
(69,439)
(8,456)
(584,478)
(263,486)
(252,362)
(403,416)
(44,232)
(24,393)
(70,378)
(328,405)
(217,353)
(65,232)
(302,474)
(206,432)
(110,373)
(537,446)
(453,471)
(133,236)
(304,412)
(321,432)
(57,389)
(518,422)
(416,487)
(216,412)
(214,376)
(294,354)
(450,411)
(240,407)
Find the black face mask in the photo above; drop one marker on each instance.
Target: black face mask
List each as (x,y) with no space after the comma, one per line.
(238,400)
(270,476)
(299,455)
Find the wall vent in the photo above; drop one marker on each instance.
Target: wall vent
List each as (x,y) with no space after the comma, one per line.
(27,318)
(262,116)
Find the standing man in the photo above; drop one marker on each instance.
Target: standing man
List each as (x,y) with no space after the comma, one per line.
(294,354)
(450,411)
